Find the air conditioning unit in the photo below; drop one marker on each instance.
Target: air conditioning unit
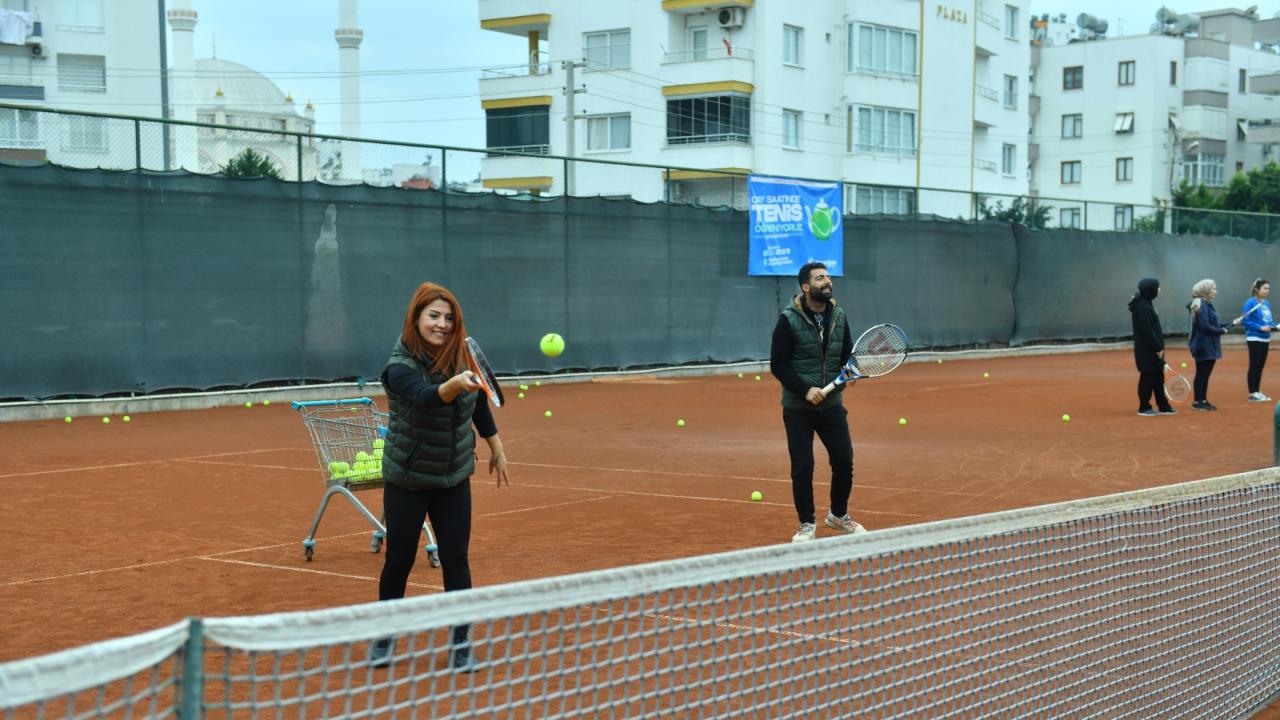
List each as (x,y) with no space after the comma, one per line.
(731,18)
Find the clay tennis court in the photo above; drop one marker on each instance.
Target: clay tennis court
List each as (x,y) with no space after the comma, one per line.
(116,529)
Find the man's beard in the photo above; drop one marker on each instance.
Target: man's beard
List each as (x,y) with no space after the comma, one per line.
(820,295)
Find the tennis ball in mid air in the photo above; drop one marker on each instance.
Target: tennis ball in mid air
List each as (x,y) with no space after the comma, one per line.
(679,423)
(552,345)
(1066,417)
(756,496)
(986,374)
(902,421)
(106,421)
(66,419)
(546,414)
(1184,364)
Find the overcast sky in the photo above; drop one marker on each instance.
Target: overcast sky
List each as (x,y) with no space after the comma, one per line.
(421,58)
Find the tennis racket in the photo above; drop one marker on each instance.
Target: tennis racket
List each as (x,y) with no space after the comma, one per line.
(484,372)
(878,351)
(1176,387)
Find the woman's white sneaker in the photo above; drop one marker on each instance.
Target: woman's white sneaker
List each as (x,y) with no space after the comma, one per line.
(845,524)
(805,533)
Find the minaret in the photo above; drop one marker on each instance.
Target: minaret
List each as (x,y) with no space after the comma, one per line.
(183,86)
(349,37)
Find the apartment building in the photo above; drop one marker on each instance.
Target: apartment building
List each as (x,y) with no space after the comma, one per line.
(893,97)
(1125,120)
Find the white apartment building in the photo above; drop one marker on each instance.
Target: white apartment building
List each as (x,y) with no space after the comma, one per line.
(64,63)
(893,97)
(1121,122)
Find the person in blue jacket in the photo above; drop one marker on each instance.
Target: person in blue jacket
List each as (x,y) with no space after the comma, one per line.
(1206,339)
(1258,324)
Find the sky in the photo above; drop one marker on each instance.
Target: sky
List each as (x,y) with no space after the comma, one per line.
(420,59)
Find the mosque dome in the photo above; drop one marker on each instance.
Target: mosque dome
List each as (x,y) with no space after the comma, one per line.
(242,88)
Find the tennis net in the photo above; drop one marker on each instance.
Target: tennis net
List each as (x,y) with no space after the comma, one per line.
(1158,603)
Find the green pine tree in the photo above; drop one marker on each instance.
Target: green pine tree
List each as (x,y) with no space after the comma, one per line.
(251,164)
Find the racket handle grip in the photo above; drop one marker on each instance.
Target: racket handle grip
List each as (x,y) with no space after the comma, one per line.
(830,386)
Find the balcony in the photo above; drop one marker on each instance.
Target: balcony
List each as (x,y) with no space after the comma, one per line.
(688,67)
(985,165)
(986,107)
(517,172)
(688,7)
(701,54)
(1268,84)
(514,80)
(1264,132)
(515,17)
(990,36)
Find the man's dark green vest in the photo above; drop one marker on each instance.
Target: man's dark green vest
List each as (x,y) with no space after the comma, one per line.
(816,361)
(428,449)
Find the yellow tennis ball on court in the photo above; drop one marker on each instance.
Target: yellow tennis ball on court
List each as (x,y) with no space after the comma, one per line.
(521,395)
(537,383)
(546,414)
(524,387)
(902,421)
(248,404)
(1066,417)
(757,377)
(125,418)
(552,345)
(66,419)
(756,496)
(679,423)
(739,374)
(106,421)
(266,402)
(939,361)
(986,374)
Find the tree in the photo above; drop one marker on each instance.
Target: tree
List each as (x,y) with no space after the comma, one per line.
(251,164)
(1031,214)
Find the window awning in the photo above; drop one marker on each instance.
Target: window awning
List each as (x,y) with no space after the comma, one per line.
(1124,122)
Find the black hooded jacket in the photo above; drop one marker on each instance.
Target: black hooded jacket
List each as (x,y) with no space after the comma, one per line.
(1148,336)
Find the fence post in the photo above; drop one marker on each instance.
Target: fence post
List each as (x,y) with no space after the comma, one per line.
(137,145)
(1086,214)
(444,170)
(666,185)
(1275,438)
(1266,227)
(299,139)
(191,692)
(1231,225)
(565,161)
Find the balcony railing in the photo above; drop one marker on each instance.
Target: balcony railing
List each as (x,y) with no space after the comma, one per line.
(987,92)
(514,71)
(709,53)
(991,20)
(520,149)
(715,138)
(987,165)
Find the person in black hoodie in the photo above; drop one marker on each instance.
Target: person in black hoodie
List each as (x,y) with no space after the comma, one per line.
(1148,349)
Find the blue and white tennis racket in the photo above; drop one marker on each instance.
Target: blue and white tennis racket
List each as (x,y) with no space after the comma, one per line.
(878,351)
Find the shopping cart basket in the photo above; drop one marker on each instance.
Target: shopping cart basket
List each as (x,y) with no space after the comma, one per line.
(349,436)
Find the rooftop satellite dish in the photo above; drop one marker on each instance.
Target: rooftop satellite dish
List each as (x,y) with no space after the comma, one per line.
(1165,16)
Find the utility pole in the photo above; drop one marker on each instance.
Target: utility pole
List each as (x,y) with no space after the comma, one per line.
(569,117)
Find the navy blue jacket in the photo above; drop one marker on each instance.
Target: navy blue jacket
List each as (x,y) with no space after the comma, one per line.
(1206,332)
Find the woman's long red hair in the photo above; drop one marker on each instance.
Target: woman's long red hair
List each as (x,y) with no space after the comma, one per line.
(452,358)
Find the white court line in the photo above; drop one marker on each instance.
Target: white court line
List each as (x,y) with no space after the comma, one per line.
(715,476)
(308,570)
(137,463)
(247,465)
(552,505)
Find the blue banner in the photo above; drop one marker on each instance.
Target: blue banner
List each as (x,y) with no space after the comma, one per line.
(794,222)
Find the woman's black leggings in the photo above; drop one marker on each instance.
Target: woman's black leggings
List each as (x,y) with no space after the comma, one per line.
(1204,368)
(1257,360)
(450,513)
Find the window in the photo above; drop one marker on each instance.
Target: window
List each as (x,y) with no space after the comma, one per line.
(19,128)
(1008,159)
(82,73)
(522,129)
(792,45)
(712,119)
(1071,172)
(608,132)
(1239,166)
(698,43)
(791,129)
(876,49)
(15,65)
(869,200)
(607,50)
(885,130)
(1124,169)
(1204,168)
(84,133)
(1072,126)
(1124,122)
(1126,73)
(1011,22)
(1069,218)
(1124,217)
(1243,80)
(1242,129)
(1073,77)
(1011,92)
(1173,72)
(80,15)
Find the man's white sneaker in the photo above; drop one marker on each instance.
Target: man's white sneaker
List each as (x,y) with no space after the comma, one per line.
(1258,397)
(805,533)
(845,524)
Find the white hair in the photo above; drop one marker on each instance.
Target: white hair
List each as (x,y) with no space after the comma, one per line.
(1200,291)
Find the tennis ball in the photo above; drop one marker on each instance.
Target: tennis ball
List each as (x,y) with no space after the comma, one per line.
(1184,364)
(756,496)
(546,414)
(363,456)
(524,387)
(986,375)
(537,383)
(248,404)
(379,444)
(266,402)
(739,374)
(902,421)
(680,423)
(1066,417)
(521,395)
(552,345)
(125,418)
(66,419)
(939,361)
(106,421)
(757,378)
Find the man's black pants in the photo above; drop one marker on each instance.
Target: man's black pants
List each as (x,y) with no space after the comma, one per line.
(832,427)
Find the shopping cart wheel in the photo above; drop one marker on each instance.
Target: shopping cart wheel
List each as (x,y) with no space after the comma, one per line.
(309,547)
(433,555)
(375,543)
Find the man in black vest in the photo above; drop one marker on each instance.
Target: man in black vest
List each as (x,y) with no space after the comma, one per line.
(810,344)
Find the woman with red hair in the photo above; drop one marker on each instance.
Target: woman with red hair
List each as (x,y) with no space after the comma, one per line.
(430,453)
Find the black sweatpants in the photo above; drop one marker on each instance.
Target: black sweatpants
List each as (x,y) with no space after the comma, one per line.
(1151,383)
(1204,368)
(1257,361)
(832,428)
(450,513)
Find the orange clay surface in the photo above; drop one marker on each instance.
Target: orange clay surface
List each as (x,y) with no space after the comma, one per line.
(112,530)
